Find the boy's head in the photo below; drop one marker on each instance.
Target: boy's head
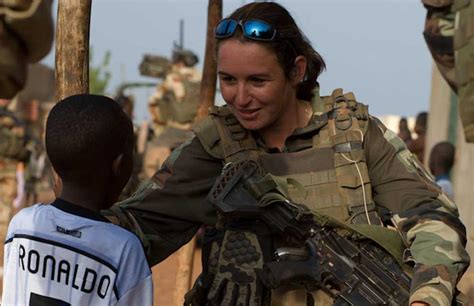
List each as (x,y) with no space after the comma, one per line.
(89,140)
(442,158)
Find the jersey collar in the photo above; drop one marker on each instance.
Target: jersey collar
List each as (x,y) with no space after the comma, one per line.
(78,210)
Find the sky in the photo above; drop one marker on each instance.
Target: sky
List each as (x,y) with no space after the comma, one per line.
(374,48)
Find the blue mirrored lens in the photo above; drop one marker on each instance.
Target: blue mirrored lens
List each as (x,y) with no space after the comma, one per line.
(225,28)
(257,29)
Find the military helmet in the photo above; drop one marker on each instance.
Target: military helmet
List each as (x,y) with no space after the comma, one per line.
(186,56)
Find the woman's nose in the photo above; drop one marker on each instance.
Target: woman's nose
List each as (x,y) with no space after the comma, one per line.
(242,97)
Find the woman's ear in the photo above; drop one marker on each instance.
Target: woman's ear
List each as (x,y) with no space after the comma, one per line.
(299,69)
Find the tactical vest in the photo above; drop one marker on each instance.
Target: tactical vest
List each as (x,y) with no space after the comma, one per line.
(464,63)
(332,172)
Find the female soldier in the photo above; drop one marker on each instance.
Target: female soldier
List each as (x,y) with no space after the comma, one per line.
(349,164)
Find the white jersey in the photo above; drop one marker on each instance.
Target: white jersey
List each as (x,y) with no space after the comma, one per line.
(62,254)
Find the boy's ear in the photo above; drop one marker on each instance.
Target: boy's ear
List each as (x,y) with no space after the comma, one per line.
(117,164)
(57,184)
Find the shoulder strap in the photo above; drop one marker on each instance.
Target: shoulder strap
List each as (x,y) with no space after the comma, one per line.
(208,136)
(223,135)
(237,143)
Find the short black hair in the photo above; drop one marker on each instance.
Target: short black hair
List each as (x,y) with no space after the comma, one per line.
(442,156)
(84,134)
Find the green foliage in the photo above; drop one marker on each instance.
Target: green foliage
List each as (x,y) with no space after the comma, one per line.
(99,76)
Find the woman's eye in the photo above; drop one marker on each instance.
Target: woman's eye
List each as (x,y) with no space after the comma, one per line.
(227,79)
(257,81)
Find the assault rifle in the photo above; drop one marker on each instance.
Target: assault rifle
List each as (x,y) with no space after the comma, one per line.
(352,271)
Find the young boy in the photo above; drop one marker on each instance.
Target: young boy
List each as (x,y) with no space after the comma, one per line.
(441,161)
(66,253)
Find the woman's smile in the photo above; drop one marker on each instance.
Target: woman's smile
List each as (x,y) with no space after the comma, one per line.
(248,114)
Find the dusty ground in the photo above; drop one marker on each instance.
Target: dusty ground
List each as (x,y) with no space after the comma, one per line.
(164,277)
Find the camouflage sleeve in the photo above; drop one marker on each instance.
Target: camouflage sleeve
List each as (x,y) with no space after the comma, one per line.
(167,210)
(427,220)
(439,36)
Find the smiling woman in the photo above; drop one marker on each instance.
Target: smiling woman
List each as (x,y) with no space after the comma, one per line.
(256,90)
(326,153)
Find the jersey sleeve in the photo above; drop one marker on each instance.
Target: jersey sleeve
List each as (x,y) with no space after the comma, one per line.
(12,228)
(134,285)
(167,210)
(426,218)
(140,295)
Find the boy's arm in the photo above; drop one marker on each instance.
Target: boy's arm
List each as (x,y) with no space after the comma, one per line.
(134,283)
(7,285)
(140,295)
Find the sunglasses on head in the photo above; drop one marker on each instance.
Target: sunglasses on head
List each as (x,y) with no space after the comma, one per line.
(252,28)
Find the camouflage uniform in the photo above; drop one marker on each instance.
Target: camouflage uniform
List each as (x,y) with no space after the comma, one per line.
(448,33)
(12,150)
(168,210)
(26,36)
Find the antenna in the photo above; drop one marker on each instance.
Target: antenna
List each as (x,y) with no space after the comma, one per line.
(181,33)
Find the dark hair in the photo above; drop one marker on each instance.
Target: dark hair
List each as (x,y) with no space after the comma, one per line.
(442,156)
(289,43)
(421,123)
(422,119)
(84,134)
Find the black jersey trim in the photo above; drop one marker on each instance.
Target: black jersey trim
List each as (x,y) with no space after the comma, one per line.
(77,210)
(71,248)
(8,240)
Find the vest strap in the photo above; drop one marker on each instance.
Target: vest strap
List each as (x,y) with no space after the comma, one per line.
(237,143)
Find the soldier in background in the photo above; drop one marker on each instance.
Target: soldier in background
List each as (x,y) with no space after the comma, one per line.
(452,46)
(26,36)
(173,106)
(417,145)
(404,132)
(13,151)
